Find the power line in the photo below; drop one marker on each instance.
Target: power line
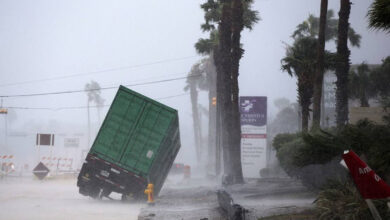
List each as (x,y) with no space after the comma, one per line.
(82,107)
(104,88)
(96,72)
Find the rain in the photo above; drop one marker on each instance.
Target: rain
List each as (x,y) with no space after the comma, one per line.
(229,109)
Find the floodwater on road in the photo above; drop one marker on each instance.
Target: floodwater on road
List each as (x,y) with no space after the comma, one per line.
(29,198)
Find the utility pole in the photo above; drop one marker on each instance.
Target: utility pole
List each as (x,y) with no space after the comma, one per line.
(4,111)
(89,126)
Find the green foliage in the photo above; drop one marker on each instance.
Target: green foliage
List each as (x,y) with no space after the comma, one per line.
(282,139)
(379,15)
(360,85)
(198,77)
(372,141)
(310,28)
(93,91)
(287,145)
(367,139)
(319,148)
(341,200)
(206,45)
(380,78)
(250,17)
(300,61)
(212,16)
(300,57)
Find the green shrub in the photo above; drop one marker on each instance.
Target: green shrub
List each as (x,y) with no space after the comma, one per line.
(314,157)
(369,140)
(282,139)
(319,148)
(287,151)
(372,141)
(341,200)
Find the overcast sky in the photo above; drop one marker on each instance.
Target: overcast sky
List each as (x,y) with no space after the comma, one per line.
(127,42)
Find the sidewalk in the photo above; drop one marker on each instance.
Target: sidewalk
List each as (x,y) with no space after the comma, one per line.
(193,199)
(272,196)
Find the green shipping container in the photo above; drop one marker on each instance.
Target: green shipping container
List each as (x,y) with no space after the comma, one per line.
(140,136)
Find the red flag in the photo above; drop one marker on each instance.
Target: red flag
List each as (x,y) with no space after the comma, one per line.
(370,185)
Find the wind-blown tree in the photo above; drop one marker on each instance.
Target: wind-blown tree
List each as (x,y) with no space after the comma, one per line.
(360,85)
(319,73)
(342,64)
(93,93)
(300,62)
(379,15)
(310,28)
(212,16)
(224,95)
(236,55)
(218,16)
(196,79)
(380,78)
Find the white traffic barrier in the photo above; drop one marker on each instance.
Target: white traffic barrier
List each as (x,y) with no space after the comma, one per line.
(55,162)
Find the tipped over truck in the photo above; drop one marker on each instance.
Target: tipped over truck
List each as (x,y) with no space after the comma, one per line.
(136,145)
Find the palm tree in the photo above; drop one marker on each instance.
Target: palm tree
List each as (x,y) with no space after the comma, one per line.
(380,77)
(310,28)
(218,45)
(379,15)
(319,74)
(224,95)
(360,85)
(93,93)
(213,13)
(236,54)
(342,66)
(192,84)
(300,62)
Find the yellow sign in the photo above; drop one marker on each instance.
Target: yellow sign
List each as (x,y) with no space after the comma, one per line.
(214,101)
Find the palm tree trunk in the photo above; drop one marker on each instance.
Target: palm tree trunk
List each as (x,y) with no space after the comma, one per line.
(305,118)
(342,65)
(304,102)
(212,115)
(225,56)
(364,100)
(195,119)
(237,26)
(319,76)
(219,92)
(89,125)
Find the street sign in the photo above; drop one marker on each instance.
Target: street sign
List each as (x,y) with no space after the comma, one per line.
(253,111)
(45,139)
(41,171)
(71,142)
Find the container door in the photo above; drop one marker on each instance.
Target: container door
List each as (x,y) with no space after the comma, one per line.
(147,138)
(118,126)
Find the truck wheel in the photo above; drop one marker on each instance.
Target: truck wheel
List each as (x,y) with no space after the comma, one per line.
(94,192)
(126,197)
(83,191)
(104,193)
